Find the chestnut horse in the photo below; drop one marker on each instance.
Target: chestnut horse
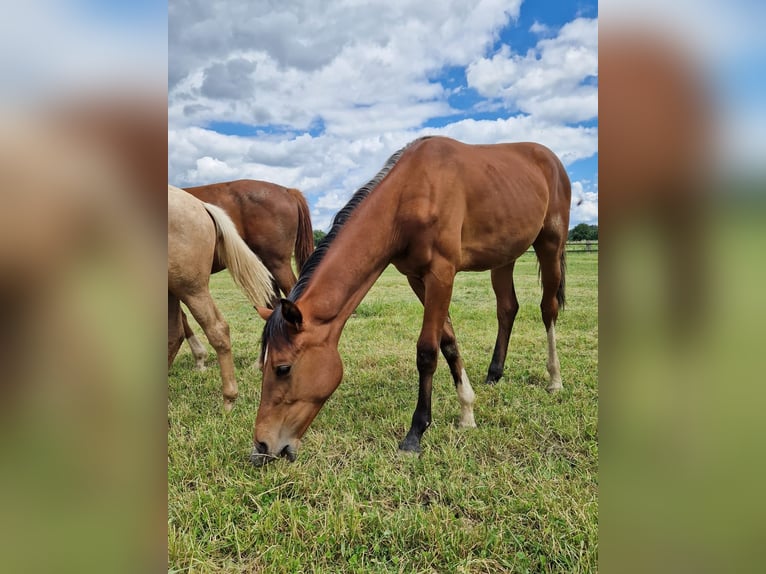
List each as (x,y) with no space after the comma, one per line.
(273,220)
(437,207)
(198,233)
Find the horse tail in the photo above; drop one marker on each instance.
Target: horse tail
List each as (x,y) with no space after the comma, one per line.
(561,292)
(566,190)
(304,239)
(247,270)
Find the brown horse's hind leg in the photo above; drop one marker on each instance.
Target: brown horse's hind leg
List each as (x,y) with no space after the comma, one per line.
(451,353)
(549,256)
(465,394)
(206,313)
(507,307)
(284,278)
(197,348)
(175,329)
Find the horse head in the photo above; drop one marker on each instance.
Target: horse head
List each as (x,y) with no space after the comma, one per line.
(301,368)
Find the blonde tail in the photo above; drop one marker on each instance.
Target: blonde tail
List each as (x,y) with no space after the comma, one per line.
(245,267)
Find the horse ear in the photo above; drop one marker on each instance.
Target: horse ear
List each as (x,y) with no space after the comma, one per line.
(264,312)
(291,313)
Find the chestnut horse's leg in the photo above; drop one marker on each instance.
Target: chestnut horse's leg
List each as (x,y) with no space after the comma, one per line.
(549,253)
(197,348)
(436,306)
(507,307)
(284,278)
(451,353)
(206,313)
(175,330)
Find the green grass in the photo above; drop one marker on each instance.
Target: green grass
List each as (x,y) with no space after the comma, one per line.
(517,494)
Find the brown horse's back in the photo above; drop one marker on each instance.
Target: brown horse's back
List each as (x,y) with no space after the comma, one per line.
(486,203)
(273,220)
(254,206)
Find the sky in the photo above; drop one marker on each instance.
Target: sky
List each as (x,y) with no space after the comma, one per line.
(317,95)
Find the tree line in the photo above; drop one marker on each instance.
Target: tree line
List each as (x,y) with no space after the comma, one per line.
(583,232)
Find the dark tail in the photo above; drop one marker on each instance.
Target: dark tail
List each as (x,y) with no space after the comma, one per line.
(561,293)
(304,239)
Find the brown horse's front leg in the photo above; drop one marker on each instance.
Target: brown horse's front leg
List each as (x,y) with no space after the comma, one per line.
(436,304)
(421,418)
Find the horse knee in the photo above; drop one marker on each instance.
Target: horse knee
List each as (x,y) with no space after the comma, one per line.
(507,313)
(426,358)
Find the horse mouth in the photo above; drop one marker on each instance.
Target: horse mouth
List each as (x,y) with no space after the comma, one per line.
(258,458)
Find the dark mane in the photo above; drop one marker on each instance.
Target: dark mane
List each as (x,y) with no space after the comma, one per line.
(276,327)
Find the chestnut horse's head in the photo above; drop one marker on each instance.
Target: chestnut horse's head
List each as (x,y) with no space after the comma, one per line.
(301,369)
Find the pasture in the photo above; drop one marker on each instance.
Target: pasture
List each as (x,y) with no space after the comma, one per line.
(517,494)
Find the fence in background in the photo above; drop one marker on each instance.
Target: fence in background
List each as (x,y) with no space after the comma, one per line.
(582,246)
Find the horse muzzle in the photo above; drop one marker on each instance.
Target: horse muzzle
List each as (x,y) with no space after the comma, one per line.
(261,456)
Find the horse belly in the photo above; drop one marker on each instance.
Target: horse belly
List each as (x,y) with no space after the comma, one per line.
(494,241)
(481,257)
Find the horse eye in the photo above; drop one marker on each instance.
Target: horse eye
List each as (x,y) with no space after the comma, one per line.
(282,370)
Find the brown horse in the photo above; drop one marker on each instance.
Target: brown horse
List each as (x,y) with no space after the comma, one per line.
(197,234)
(273,220)
(437,207)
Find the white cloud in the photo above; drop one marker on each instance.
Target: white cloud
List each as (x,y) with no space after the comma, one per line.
(584,205)
(547,82)
(538,28)
(360,66)
(329,168)
(365,73)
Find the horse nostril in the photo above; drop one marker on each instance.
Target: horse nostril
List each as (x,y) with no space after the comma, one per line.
(260,454)
(289,453)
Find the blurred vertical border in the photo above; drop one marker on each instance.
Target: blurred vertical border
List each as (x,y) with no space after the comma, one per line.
(682,112)
(83,164)
(83,137)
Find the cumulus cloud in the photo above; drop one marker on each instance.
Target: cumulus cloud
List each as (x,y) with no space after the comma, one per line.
(538,28)
(329,98)
(328,168)
(554,81)
(584,204)
(228,81)
(359,64)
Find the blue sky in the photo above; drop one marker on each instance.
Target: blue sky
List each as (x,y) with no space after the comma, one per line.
(319,101)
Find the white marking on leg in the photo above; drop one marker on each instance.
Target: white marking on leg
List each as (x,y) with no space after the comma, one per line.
(199,351)
(466,397)
(554,368)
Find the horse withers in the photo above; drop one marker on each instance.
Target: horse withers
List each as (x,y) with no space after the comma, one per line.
(437,207)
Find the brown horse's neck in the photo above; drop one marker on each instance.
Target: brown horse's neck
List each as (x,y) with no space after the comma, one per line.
(352,264)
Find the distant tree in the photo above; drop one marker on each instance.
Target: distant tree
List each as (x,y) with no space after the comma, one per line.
(583,232)
(318,236)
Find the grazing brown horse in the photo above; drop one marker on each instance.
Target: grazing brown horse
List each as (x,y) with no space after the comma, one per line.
(437,207)
(197,234)
(273,220)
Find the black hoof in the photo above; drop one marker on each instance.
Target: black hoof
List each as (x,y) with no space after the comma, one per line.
(492,379)
(410,445)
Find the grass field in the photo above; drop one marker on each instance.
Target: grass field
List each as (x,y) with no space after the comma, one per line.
(517,494)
